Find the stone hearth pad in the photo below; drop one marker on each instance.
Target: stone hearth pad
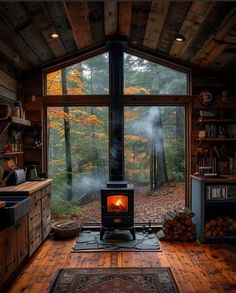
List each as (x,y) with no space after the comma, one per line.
(116,240)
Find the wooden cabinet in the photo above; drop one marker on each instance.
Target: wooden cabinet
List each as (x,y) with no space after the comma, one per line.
(13,249)
(22,236)
(214,205)
(39,217)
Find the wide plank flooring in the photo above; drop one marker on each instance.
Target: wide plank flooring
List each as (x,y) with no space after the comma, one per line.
(197,268)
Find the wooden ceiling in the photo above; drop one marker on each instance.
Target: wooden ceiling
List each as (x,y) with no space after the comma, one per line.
(209,29)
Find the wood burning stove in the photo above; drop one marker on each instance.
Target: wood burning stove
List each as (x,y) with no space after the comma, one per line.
(117,207)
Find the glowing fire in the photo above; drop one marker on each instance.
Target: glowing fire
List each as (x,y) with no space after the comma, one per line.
(117,203)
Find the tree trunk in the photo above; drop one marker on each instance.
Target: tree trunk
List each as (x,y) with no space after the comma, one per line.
(67,140)
(160,176)
(180,123)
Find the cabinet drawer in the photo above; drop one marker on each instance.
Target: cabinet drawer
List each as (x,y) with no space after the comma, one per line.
(36,196)
(46,190)
(46,220)
(35,239)
(35,215)
(46,230)
(46,205)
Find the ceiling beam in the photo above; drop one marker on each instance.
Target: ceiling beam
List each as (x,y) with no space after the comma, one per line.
(96,18)
(125,15)
(42,21)
(216,44)
(78,15)
(156,20)
(9,53)
(111,18)
(57,12)
(208,29)
(191,25)
(140,12)
(175,17)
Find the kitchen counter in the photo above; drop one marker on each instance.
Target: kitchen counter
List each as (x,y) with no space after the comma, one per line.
(27,187)
(216,179)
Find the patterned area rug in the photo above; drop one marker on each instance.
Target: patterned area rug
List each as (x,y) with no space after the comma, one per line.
(116,280)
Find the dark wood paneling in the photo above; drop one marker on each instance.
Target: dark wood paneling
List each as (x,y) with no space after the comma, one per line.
(140,12)
(61,23)
(111,18)
(209,27)
(158,12)
(174,20)
(37,12)
(6,94)
(10,15)
(8,82)
(96,17)
(78,16)
(125,14)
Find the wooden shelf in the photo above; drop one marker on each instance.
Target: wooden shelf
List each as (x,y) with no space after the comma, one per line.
(224,139)
(4,124)
(19,121)
(214,120)
(13,153)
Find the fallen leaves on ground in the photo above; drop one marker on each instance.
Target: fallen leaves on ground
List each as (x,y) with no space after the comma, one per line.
(148,206)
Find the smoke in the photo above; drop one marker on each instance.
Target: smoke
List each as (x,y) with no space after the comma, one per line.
(144,126)
(87,188)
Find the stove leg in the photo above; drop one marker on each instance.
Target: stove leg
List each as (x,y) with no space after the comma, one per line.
(132,231)
(102,232)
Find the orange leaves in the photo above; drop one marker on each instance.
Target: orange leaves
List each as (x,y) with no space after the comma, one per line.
(130,115)
(136,90)
(91,120)
(54,124)
(55,113)
(74,84)
(130,137)
(54,83)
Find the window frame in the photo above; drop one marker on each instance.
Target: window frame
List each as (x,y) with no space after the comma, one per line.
(126,100)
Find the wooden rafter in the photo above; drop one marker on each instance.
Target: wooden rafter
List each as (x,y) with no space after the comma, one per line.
(208,29)
(156,20)
(110,17)
(78,16)
(11,54)
(140,12)
(125,14)
(96,18)
(217,43)
(175,17)
(191,25)
(41,19)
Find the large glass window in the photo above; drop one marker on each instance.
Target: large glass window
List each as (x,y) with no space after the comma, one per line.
(154,139)
(77,160)
(89,77)
(155,159)
(142,77)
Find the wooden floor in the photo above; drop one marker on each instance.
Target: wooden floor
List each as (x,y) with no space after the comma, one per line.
(196,267)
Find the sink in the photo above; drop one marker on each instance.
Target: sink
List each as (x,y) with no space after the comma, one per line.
(16,207)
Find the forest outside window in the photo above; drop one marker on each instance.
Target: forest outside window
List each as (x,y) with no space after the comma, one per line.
(80,137)
(143,77)
(89,77)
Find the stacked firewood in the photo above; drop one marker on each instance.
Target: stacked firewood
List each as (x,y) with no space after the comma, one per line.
(220,227)
(178,226)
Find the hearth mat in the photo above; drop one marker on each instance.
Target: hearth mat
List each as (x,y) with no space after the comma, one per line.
(116,240)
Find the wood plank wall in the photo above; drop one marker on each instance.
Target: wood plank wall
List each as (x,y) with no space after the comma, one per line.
(8,86)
